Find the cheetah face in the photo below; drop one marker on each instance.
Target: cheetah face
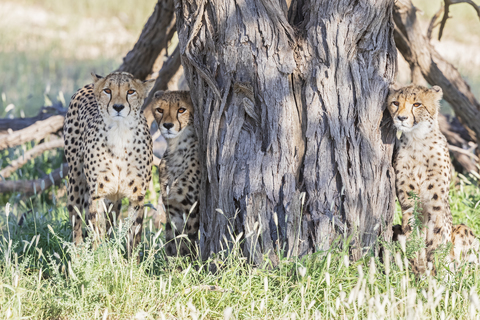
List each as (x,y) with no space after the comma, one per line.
(412,107)
(119,95)
(173,111)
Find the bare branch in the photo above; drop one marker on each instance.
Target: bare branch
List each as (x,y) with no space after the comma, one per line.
(38,131)
(433,22)
(30,154)
(22,123)
(448,3)
(463,151)
(28,187)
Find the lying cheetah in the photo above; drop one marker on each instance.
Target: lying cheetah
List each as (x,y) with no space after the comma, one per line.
(422,165)
(109,152)
(179,169)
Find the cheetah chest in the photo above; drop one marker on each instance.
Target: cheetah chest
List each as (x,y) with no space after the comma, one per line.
(422,167)
(122,163)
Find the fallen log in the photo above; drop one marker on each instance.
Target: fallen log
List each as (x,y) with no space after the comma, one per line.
(37,131)
(30,187)
(30,154)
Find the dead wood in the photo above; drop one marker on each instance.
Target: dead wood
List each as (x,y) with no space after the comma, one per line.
(29,155)
(155,36)
(29,187)
(416,49)
(458,146)
(16,124)
(446,11)
(37,131)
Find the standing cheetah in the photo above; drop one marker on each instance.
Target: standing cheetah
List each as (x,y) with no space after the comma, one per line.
(109,152)
(422,165)
(179,169)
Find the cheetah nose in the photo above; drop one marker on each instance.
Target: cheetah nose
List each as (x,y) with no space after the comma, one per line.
(168,125)
(118,107)
(401,118)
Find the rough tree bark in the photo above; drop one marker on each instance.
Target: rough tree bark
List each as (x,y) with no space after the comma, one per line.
(281,112)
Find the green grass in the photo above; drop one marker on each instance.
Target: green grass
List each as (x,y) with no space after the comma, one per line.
(43,276)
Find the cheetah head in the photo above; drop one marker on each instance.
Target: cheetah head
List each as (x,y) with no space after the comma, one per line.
(119,95)
(173,111)
(413,107)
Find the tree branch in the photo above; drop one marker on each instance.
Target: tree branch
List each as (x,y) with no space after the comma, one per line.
(30,154)
(433,22)
(22,123)
(446,10)
(155,36)
(37,131)
(28,187)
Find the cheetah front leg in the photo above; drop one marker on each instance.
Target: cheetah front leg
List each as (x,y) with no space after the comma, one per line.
(96,218)
(176,226)
(113,214)
(135,212)
(77,193)
(407,203)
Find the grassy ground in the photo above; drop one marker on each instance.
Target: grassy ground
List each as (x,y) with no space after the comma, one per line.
(43,276)
(47,50)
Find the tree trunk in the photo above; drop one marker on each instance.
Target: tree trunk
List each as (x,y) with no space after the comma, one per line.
(290,123)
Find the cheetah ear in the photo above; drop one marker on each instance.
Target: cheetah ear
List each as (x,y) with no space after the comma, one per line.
(148,85)
(96,77)
(158,94)
(437,91)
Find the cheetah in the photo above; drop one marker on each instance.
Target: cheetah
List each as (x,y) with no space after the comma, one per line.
(179,170)
(422,165)
(108,148)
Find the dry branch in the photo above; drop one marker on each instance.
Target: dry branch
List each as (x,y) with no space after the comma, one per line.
(416,49)
(155,36)
(37,131)
(22,123)
(446,11)
(28,187)
(30,154)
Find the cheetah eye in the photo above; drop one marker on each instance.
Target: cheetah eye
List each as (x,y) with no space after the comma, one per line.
(107,91)
(131,91)
(182,110)
(159,110)
(396,103)
(417,104)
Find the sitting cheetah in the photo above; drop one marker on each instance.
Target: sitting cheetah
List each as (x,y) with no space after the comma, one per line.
(422,165)
(179,169)
(109,152)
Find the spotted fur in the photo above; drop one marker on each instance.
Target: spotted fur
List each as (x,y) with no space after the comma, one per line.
(109,152)
(179,170)
(422,166)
